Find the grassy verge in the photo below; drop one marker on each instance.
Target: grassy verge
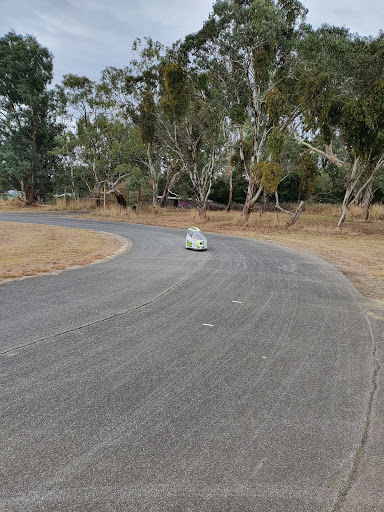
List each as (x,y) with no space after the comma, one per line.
(28,249)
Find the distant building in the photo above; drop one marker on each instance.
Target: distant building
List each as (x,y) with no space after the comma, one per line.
(11,194)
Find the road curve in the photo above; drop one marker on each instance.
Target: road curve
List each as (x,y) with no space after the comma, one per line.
(238,379)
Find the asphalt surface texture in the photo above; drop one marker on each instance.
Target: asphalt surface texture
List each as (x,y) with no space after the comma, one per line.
(244,378)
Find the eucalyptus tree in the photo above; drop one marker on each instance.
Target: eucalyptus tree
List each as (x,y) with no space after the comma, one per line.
(119,159)
(135,93)
(28,123)
(193,125)
(66,177)
(250,48)
(173,108)
(343,100)
(98,134)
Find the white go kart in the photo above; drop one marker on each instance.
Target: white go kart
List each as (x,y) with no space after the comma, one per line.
(196,240)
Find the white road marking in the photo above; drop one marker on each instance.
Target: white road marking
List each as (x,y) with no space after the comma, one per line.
(208,325)
(237,302)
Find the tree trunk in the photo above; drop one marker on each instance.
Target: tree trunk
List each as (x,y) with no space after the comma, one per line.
(30,194)
(173,177)
(367,197)
(296,215)
(23,190)
(202,181)
(164,198)
(203,210)
(366,202)
(120,199)
(30,191)
(139,195)
(250,201)
(248,205)
(345,205)
(96,187)
(154,176)
(165,194)
(73,184)
(247,210)
(201,202)
(229,205)
(277,204)
(355,175)
(264,204)
(154,193)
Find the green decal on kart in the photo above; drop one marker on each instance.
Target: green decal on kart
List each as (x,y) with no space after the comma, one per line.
(195,239)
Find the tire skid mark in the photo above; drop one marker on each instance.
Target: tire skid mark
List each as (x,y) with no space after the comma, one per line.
(99,321)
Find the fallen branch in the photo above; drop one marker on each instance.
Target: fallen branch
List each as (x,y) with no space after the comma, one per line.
(277,205)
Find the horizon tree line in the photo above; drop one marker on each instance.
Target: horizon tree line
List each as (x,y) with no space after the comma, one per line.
(256,101)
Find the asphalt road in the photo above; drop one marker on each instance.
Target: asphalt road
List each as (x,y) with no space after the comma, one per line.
(244,378)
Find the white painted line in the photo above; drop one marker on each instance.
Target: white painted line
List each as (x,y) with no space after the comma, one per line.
(208,325)
(237,302)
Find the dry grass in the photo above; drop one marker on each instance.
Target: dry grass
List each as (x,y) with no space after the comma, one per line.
(11,204)
(28,249)
(59,205)
(355,212)
(72,205)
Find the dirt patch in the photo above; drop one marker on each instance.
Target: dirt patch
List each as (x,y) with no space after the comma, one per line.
(31,249)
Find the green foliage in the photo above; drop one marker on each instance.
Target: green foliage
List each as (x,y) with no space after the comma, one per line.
(275,142)
(270,174)
(265,27)
(362,121)
(235,159)
(185,188)
(342,88)
(289,189)
(147,124)
(373,105)
(238,109)
(293,11)
(274,103)
(378,188)
(27,126)
(240,3)
(320,105)
(307,170)
(138,178)
(175,84)
(26,69)
(220,189)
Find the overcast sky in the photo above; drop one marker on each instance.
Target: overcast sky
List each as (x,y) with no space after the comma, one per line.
(85,36)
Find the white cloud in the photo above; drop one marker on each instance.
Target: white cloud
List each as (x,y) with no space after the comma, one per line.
(87,36)
(365,18)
